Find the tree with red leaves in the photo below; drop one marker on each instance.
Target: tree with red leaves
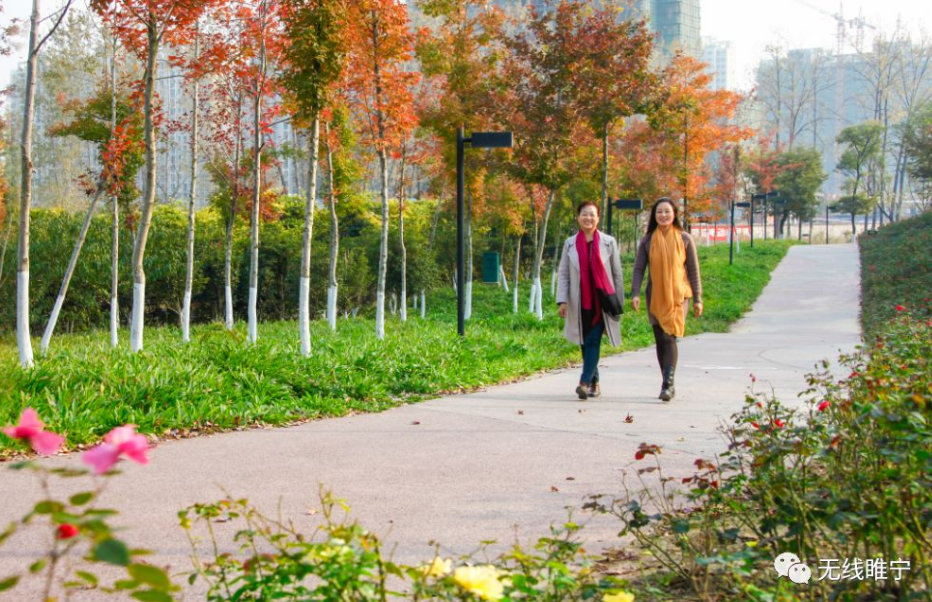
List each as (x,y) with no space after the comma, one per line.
(539,101)
(312,63)
(142,26)
(380,44)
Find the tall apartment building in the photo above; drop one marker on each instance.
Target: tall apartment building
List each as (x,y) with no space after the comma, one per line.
(676,23)
(719,55)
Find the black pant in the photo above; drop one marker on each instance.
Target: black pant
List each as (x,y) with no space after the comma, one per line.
(666,348)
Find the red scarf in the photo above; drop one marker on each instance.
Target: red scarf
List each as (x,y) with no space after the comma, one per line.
(590,301)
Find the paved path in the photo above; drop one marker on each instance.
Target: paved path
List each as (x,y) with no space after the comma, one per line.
(500,463)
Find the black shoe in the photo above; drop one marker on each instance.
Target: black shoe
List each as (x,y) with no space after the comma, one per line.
(582,392)
(667,391)
(594,390)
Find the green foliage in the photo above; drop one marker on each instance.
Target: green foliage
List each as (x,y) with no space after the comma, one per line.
(844,476)
(81,539)
(341,560)
(314,54)
(799,179)
(84,387)
(895,270)
(917,139)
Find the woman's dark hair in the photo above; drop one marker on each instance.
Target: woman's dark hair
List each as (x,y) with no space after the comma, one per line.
(585,204)
(652,223)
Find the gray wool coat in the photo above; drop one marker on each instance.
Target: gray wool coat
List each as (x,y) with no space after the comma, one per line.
(568,288)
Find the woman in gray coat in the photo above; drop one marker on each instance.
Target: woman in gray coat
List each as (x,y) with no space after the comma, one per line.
(590,267)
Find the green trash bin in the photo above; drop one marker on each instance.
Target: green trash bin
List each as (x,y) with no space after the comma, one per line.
(491,266)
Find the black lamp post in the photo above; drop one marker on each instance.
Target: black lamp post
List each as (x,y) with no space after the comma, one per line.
(477,140)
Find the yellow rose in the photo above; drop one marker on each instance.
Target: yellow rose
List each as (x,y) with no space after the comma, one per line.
(618,597)
(481,581)
(438,568)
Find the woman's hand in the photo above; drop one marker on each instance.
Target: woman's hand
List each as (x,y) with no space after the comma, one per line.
(697,310)
(563,310)
(636,304)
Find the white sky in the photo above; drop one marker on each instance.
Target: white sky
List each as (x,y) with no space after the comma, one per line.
(750,25)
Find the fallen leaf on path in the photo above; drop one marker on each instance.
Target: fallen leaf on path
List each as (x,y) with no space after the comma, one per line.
(416,422)
(570,478)
(554,489)
(629,419)
(581,410)
(520,412)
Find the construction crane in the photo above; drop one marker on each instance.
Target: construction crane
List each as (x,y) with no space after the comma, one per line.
(858,23)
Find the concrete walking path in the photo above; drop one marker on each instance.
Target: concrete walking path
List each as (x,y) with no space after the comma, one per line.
(496,464)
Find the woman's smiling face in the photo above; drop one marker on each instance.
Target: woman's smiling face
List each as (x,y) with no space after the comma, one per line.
(664,214)
(588,218)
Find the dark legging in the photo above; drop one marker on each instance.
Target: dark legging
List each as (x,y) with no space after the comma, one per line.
(666,347)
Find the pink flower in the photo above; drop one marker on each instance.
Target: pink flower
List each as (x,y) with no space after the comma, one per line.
(66,531)
(29,425)
(823,405)
(121,441)
(30,429)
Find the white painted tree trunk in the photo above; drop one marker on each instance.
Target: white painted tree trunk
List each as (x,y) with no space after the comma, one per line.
(539,300)
(383,251)
(23,336)
(423,304)
(334,240)
(189,265)
(228,307)
(332,307)
(467,310)
(532,299)
(148,201)
(137,318)
(253,328)
(304,295)
(23,339)
(503,279)
(69,271)
(115,225)
(537,308)
(515,273)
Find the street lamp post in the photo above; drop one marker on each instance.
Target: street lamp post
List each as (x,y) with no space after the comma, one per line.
(476,140)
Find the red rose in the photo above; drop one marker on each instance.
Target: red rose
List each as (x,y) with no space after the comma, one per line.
(639,455)
(66,531)
(900,308)
(823,405)
(779,423)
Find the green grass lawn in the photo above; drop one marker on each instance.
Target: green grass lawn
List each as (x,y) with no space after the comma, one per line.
(84,388)
(896,270)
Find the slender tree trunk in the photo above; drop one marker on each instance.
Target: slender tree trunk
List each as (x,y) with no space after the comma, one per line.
(383,249)
(115,225)
(556,265)
(433,234)
(69,272)
(253,327)
(189,267)
(304,296)
(148,200)
(469,265)
(228,254)
(605,168)
(403,309)
(539,256)
(334,240)
(514,288)
(23,337)
(533,293)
